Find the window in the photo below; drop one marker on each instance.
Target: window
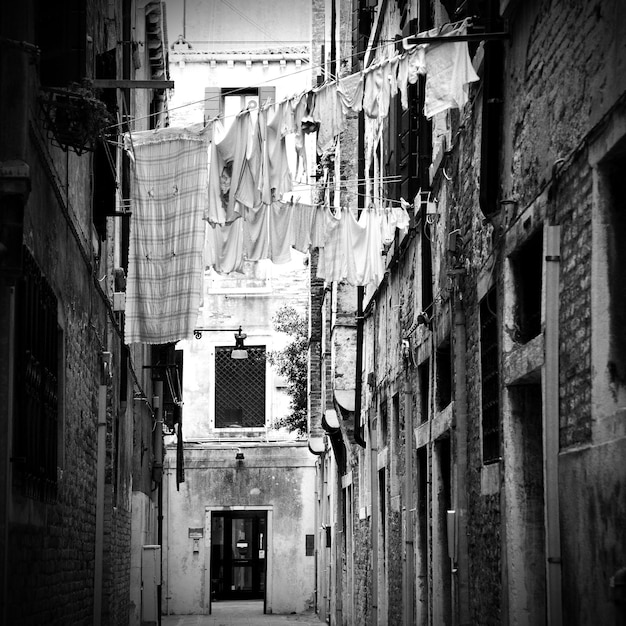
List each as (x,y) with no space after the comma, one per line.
(527,265)
(240,388)
(35,427)
(423,372)
(444,375)
(228,101)
(490,377)
(384,425)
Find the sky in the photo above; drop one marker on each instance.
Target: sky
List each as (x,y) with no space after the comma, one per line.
(228,24)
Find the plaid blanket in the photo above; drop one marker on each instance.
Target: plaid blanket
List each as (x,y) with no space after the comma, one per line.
(165,267)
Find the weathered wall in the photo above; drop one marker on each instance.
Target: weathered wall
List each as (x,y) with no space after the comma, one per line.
(228,303)
(279,478)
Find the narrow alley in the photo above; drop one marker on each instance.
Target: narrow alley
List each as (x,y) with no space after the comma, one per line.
(241,613)
(312,312)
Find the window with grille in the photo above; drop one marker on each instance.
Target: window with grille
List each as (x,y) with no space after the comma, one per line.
(490,377)
(240,388)
(35,426)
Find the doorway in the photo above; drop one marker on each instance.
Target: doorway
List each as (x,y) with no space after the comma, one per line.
(238,555)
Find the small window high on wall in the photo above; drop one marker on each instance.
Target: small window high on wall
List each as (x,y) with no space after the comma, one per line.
(527,263)
(227,102)
(240,388)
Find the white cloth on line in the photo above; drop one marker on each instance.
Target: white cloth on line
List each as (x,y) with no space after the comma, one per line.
(448,74)
(169,192)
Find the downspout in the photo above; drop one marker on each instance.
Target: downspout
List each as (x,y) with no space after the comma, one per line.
(460,563)
(158,478)
(100,467)
(551,427)
(358,383)
(409,556)
(374,516)
(360,294)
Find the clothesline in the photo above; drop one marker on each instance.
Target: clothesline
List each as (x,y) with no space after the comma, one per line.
(212,199)
(435,33)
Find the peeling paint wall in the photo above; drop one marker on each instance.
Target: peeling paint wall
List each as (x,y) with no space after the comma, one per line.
(277,478)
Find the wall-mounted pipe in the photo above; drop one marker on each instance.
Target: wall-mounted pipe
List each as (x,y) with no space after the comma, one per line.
(358,383)
(551,427)
(100,470)
(461,580)
(409,526)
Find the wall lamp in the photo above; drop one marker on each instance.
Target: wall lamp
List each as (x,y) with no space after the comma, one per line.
(239,351)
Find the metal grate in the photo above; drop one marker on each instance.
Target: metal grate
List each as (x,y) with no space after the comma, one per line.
(37,362)
(240,388)
(490,377)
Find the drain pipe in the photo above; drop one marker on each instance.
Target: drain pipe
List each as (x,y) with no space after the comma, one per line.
(158,478)
(374,518)
(460,561)
(409,557)
(358,383)
(100,471)
(551,427)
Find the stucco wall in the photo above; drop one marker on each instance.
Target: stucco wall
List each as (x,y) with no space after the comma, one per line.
(277,478)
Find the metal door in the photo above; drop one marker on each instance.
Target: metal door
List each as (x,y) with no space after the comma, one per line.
(238,555)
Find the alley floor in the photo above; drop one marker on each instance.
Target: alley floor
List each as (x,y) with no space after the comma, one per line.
(242,613)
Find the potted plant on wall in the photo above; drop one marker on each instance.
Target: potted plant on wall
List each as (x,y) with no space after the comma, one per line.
(74,116)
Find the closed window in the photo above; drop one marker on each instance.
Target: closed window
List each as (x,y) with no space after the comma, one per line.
(35,427)
(240,388)
(227,102)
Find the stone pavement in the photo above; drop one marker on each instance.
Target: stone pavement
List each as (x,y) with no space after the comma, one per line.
(241,613)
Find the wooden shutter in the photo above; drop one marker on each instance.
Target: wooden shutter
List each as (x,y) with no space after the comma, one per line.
(212,103)
(266,93)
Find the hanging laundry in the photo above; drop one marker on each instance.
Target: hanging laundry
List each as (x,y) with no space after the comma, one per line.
(392,76)
(302,220)
(402,80)
(318,227)
(332,265)
(350,91)
(275,178)
(352,251)
(299,107)
(169,193)
(224,247)
(228,153)
(416,63)
(388,221)
(288,119)
(388,87)
(281,234)
(329,115)
(247,190)
(403,219)
(256,243)
(448,74)
(366,245)
(371,94)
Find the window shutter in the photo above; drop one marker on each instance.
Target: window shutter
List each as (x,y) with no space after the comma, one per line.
(212,103)
(267,93)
